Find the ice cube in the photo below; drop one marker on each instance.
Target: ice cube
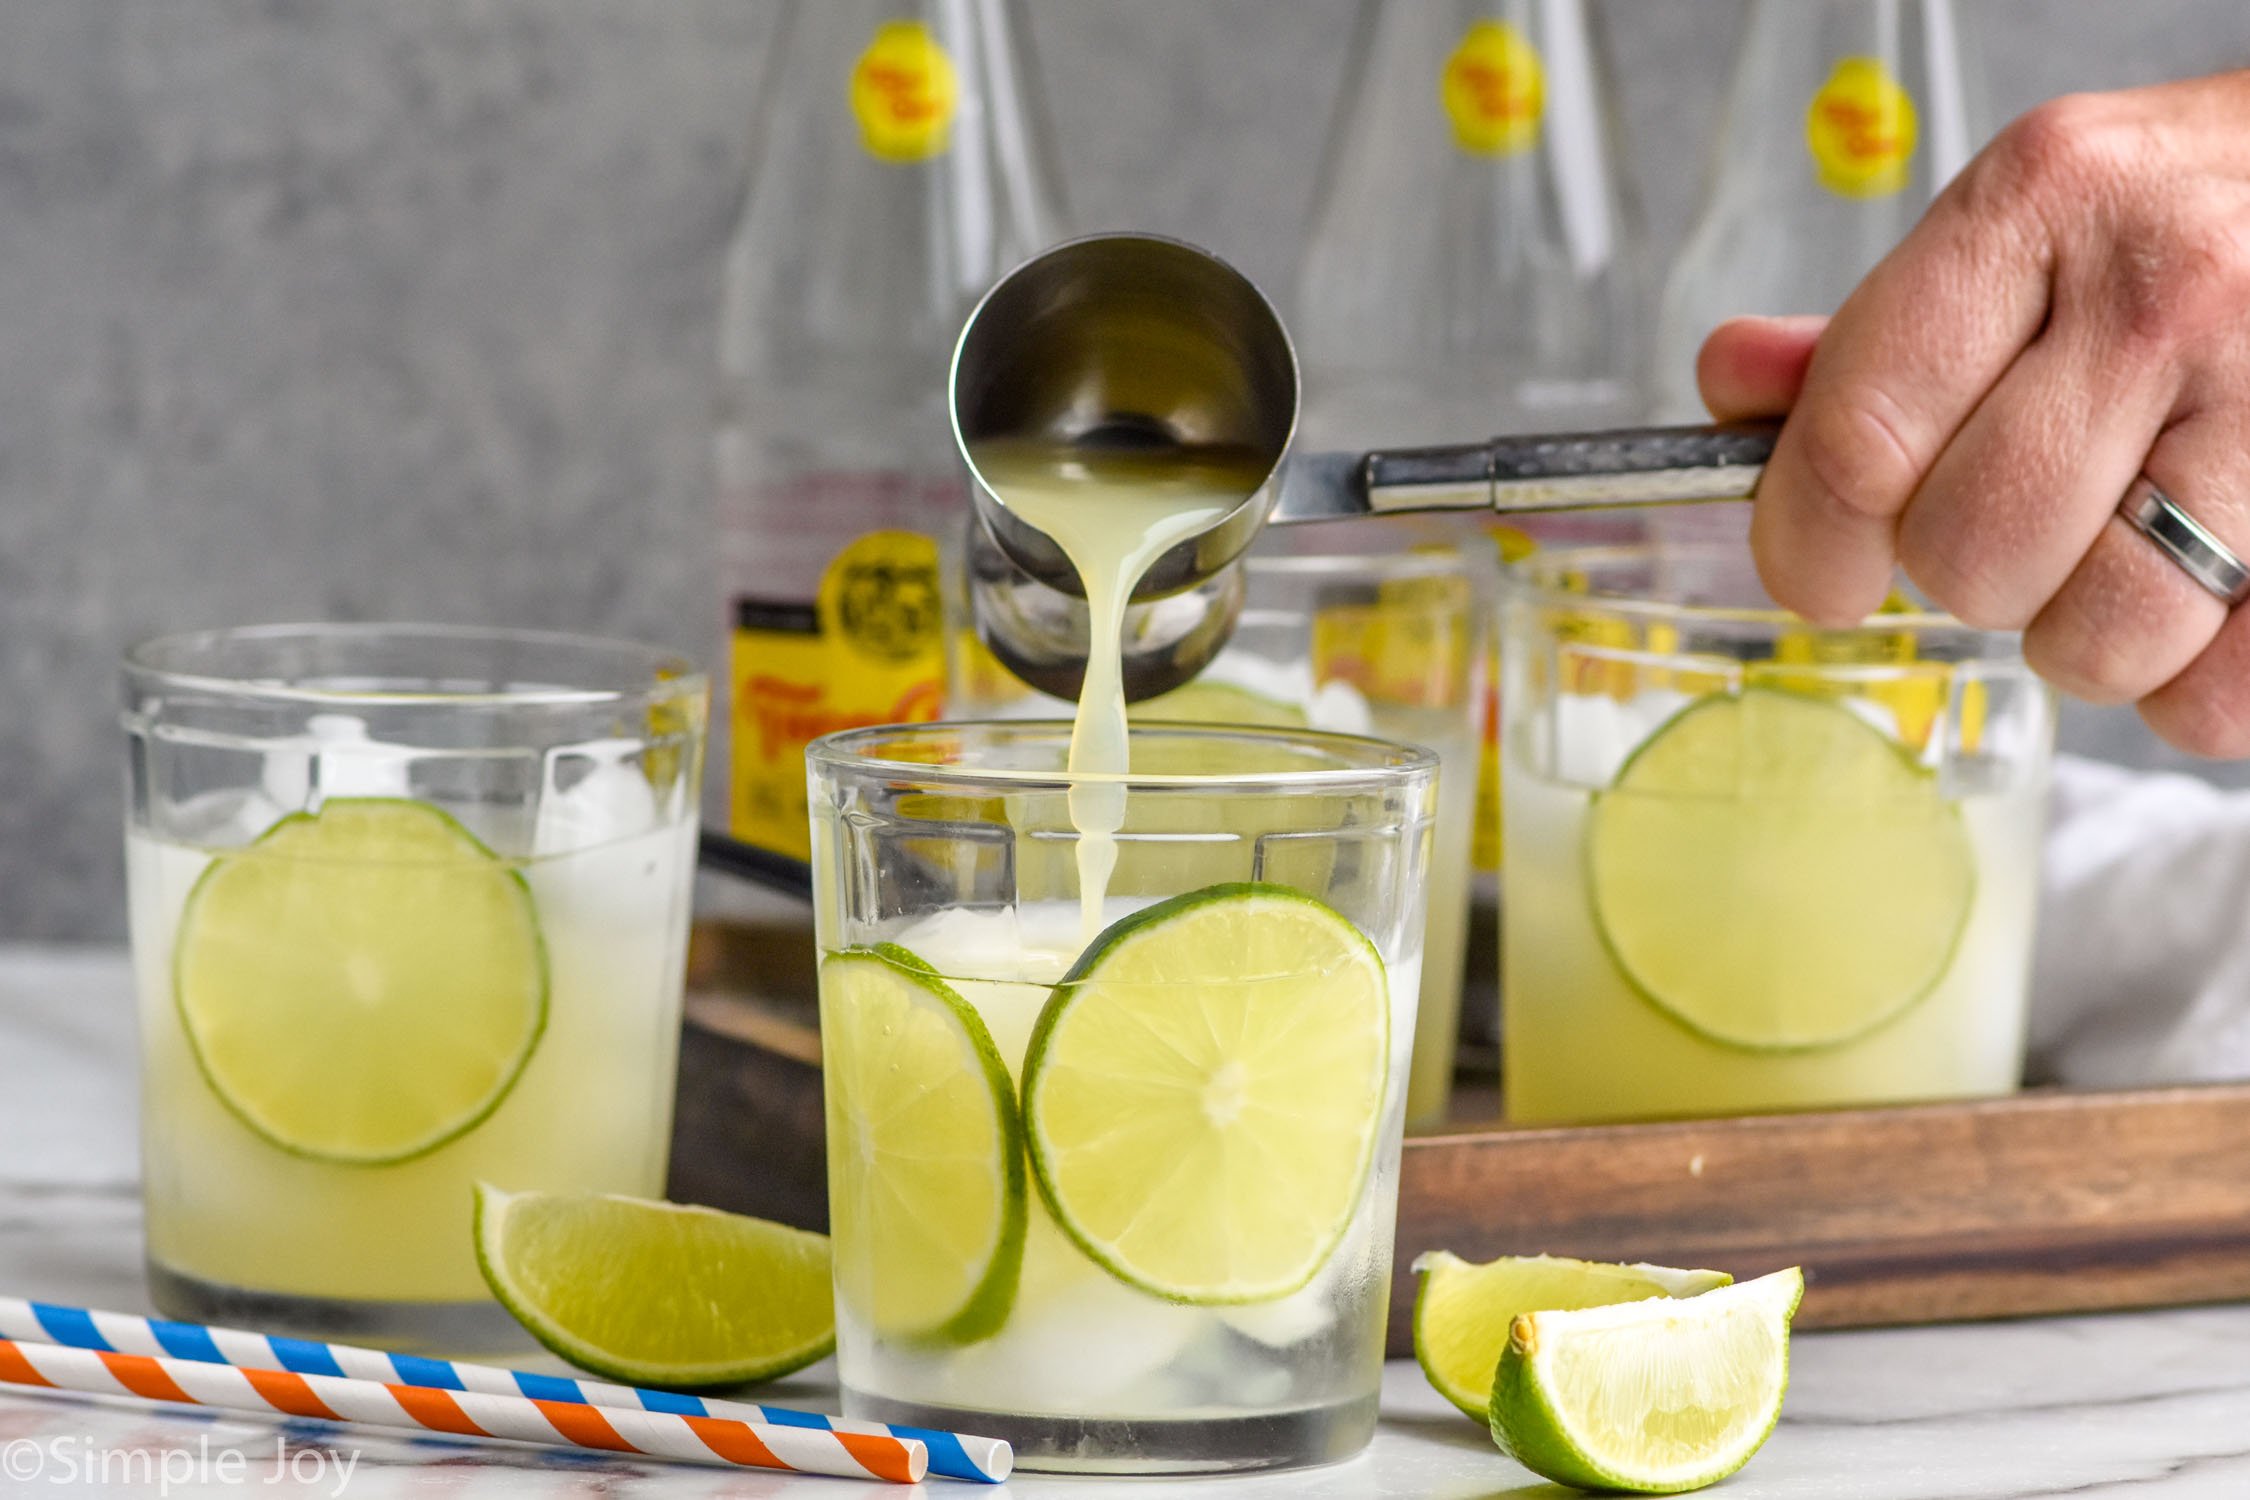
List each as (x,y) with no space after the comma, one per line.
(1340,708)
(1306,1313)
(595,794)
(340,761)
(1078,1340)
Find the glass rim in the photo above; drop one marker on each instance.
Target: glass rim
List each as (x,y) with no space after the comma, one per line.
(1377,763)
(1530,578)
(662,674)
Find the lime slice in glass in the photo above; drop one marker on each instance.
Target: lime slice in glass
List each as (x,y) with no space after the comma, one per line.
(1654,1397)
(1203,1092)
(362,984)
(1777,873)
(657,1293)
(1203,702)
(925,1151)
(1462,1309)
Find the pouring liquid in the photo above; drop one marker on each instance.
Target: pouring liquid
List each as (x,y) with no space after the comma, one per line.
(1112,512)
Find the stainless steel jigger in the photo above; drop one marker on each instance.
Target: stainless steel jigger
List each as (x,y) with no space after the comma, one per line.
(1134,340)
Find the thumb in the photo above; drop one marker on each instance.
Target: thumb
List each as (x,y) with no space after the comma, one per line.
(1754,367)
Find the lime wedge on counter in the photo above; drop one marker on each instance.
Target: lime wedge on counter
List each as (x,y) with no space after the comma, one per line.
(925,1150)
(1654,1397)
(1462,1309)
(657,1293)
(1217,703)
(1203,1092)
(1777,873)
(362,984)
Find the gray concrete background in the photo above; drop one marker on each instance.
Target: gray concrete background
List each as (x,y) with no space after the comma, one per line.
(404,308)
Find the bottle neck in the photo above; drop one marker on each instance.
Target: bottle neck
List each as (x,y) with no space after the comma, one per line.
(900,165)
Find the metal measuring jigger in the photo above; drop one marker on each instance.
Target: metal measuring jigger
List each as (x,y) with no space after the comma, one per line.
(1134,340)
(1113,342)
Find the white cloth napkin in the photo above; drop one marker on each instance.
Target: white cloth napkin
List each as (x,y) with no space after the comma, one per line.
(2142,971)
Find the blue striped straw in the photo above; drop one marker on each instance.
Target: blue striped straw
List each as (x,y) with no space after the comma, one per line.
(981,1460)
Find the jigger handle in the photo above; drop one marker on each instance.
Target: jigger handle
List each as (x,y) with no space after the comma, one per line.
(1563,471)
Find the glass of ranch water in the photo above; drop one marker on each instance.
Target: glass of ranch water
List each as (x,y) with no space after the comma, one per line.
(1752,864)
(1125,1200)
(409,913)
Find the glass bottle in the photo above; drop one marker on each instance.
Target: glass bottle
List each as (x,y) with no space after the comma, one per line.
(901,163)
(1843,120)
(1472,266)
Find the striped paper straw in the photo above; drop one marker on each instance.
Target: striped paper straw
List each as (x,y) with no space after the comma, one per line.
(953,1455)
(338,1398)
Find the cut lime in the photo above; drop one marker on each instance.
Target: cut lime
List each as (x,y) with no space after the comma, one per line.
(925,1151)
(1463,1309)
(1656,1396)
(1204,702)
(1777,873)
(657,1293)
(363,983)
(1203,1092)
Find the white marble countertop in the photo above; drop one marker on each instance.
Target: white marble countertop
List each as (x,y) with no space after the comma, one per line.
(2146,1404)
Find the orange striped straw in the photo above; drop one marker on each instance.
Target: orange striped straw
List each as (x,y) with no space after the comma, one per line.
(522,1419)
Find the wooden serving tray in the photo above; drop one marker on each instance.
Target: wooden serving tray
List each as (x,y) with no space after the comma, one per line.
(2050,1201)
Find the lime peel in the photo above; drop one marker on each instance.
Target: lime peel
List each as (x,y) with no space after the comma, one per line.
(931,1202)
(1774,873)
(657,1294)
(1654,1397)
(362,984)
(1204,1091)
(1463,1309)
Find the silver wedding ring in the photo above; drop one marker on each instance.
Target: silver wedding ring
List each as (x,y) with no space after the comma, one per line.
(2182,538)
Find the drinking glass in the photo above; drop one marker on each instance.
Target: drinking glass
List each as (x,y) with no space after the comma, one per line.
(1751,864)
(1125,1199)
(409,913)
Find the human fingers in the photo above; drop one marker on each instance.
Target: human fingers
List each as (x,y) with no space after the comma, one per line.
(2205,467)
(1905,362)
(2015,500)
(2129,620)
(1754,367)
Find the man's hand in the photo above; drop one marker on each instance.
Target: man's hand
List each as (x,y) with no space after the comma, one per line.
(2074,310)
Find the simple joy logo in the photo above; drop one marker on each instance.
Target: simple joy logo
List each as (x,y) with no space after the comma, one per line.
(66,1459)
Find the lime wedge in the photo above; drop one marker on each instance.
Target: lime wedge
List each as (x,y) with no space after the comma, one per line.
(1217,703)
(362,984)
(1203,1092)
(1463,1309)
(1656,1396)
(925,1151)
(657,1293)
(1777,873)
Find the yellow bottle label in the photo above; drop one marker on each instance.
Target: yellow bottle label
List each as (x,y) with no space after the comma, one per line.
(904,92)
(1408,649)
(870,650)
(1494,89)
(1861,128)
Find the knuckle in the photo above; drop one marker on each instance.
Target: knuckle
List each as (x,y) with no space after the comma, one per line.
(1968,584)
(2088,664)
(1856,450)
(2201,719)
(2062,149)
(2178,277)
